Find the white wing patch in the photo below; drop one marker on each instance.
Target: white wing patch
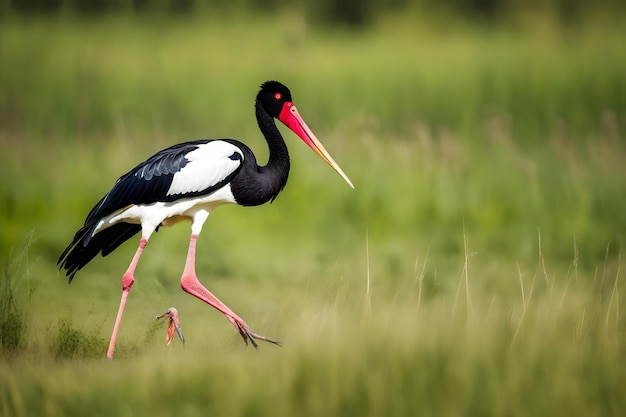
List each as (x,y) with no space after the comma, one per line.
(208,165)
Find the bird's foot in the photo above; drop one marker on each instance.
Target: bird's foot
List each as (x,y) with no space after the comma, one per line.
(246,334)
(173,326)
(190,284)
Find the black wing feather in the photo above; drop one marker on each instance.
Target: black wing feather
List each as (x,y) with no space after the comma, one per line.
(146,183)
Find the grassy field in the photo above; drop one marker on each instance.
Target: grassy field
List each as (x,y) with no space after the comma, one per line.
(475,270)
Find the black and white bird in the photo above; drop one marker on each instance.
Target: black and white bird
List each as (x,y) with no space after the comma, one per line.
(188,181)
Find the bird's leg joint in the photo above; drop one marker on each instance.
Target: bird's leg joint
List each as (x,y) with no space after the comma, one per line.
(127,281)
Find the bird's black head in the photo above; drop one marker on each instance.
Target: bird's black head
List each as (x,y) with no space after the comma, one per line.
(274,100)
(273,96)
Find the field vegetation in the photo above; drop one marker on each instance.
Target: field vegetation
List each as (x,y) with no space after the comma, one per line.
(476,269)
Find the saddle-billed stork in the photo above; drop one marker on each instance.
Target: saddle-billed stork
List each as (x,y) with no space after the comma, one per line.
(188,181)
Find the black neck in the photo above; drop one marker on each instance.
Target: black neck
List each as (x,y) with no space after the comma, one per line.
(259,184)
(278,163)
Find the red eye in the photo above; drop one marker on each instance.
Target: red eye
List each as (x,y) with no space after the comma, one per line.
(278,96)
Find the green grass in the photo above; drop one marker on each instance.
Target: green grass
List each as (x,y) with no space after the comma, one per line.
(476,269)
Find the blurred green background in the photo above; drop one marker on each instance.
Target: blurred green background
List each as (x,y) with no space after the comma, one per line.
(476,269)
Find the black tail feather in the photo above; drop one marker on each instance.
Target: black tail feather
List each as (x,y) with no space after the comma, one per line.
(83,235)
(85,247)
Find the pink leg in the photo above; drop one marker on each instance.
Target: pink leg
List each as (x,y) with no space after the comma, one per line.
(127,282)
(190,284)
